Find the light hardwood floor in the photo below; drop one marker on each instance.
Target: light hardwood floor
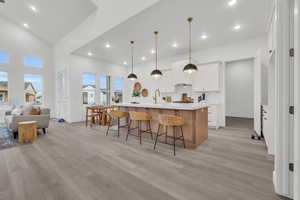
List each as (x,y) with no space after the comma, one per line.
(78,163)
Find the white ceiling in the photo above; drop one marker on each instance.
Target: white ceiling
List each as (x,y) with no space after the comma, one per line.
(212,17)
(54,18)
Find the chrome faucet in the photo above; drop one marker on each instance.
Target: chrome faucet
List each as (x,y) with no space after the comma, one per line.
(157,94)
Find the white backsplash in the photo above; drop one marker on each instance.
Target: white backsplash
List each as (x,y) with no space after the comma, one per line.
(211,97)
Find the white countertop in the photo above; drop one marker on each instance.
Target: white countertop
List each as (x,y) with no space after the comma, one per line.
(172,106)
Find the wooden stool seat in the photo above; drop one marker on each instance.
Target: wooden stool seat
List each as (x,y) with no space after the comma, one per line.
(118,114)
(27,131)
(170,121)
(140,117)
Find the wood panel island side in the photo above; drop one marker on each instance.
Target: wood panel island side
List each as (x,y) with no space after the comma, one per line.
(195,129)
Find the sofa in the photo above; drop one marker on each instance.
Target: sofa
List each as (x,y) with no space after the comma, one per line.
(12,120)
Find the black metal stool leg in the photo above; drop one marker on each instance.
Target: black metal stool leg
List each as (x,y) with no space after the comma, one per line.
(149,125)
(174,138)
(166,137)
(118,127)
(128,130)
(139,131)
(107,130)
(156,136)
(182,137)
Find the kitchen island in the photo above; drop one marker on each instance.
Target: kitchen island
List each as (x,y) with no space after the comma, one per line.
(195,115)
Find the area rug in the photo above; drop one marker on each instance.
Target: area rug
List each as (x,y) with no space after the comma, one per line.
(6,138)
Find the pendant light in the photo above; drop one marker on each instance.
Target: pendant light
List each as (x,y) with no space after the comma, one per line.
(132,76)
(156,73)
(190,68)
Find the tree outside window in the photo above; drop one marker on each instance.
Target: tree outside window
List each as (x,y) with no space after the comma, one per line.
(3,87)
(33,88)
(118,90)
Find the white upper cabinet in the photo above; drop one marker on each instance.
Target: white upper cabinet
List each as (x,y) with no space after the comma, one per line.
(178,74)
(166,82)
(207,78)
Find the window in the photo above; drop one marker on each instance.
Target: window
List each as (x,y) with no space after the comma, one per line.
(30,61)
(4,57)
(88,88)
(3,87)
(33,87)
(118,93)
(104,90)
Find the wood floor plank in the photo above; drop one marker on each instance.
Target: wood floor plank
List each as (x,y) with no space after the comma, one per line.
(78,163)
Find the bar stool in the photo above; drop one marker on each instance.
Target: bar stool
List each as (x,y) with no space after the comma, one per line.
(92,115)
(170,121)
(116,114)
(140,117)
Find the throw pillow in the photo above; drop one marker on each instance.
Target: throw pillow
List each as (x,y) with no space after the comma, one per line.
(27,110)
(16,112)
(35,111)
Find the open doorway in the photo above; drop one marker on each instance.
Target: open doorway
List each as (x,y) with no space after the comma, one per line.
(239,83)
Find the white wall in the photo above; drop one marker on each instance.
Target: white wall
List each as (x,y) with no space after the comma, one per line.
(19,43)
(236,51)
(102,20)
(264,85)
(79,65)
(240,88)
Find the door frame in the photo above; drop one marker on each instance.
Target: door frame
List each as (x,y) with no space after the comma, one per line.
(283,129)
(223,74)
(297,100)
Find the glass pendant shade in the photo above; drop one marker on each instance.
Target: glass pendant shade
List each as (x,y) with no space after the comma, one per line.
(132,75)
(190,68)
(156,73)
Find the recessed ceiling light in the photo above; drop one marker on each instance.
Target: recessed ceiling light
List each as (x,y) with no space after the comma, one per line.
(107,45)
(26,25)
(152,51)
(33,8)
(203,37)
(125,63)
(143,58)
(232,2)
(90,54)
(237,27)
(175,45)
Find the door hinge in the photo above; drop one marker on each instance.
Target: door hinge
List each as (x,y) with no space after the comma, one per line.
(292,52)
(291,167)
(291,110)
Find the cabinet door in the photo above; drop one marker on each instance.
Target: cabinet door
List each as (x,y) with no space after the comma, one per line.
(166,83)
(178,74)
(207,78)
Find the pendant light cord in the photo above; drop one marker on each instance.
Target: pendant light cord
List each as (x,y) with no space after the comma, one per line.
(132,56)
(156,49)
(190,48)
